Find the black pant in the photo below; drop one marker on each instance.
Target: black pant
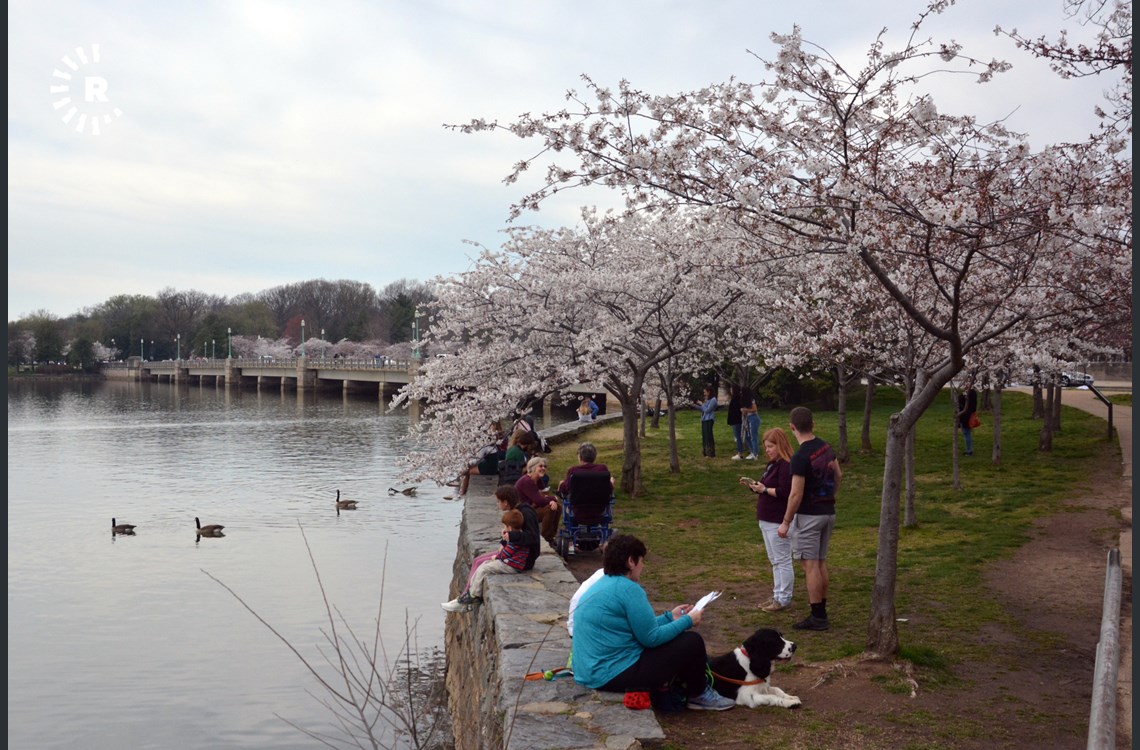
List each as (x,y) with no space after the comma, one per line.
(708,446)
(683,657)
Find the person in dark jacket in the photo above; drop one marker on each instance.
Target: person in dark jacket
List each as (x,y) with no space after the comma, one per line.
(772,493)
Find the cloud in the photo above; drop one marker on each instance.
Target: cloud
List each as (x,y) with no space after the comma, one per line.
(267,142)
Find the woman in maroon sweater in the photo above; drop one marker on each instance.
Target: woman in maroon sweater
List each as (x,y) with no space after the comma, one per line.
(546,507)
(771,503)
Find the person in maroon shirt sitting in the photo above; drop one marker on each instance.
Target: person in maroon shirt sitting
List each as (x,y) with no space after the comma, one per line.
(587,455)
(530,488)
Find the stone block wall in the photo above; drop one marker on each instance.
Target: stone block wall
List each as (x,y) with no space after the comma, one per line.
(519,628)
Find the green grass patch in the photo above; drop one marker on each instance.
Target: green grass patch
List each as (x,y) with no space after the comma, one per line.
(699,524)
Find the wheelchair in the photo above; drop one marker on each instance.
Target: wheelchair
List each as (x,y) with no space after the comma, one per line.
(587,513)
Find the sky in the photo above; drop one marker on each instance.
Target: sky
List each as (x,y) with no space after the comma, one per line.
(246,144)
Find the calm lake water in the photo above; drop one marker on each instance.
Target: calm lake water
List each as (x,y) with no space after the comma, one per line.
(125,642)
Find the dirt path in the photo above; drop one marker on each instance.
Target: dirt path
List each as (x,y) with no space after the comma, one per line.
(1034,693)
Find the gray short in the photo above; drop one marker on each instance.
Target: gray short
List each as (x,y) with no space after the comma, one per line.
(812,535)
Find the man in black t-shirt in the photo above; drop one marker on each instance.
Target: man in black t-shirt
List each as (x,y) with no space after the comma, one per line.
(811,508)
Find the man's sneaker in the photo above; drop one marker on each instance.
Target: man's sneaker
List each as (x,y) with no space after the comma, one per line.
(711,700)
(736,457)
(812,623)
(751,457)
(773,606)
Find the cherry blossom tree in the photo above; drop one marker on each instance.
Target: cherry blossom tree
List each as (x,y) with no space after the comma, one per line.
(966,229)
(608,303)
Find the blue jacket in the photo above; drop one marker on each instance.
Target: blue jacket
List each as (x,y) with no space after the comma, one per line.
(708,410)
(613,624)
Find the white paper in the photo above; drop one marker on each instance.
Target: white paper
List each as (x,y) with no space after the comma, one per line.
(711,596)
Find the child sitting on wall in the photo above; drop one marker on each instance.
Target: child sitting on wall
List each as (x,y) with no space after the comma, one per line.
(510,559)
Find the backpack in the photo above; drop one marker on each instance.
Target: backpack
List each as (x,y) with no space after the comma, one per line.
(823,478)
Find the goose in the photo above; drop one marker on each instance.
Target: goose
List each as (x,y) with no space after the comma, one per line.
(344,504)
(122,528)
(214,529)
(409,491)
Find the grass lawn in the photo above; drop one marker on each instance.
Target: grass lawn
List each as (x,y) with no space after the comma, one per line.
(700,528)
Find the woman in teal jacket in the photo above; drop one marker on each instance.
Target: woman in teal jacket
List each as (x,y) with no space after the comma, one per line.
(621,644)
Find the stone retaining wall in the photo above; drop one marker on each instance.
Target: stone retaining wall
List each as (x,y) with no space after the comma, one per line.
(521,628)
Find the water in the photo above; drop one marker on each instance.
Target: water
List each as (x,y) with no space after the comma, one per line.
(125,642)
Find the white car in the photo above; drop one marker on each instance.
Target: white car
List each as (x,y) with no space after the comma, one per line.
(1076,378)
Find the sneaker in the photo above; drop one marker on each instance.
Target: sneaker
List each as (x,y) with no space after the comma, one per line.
(455,606)
(461,603)
(750,457)
(710,700)
(571,550)
(736,457)
(773,606)
(811,622)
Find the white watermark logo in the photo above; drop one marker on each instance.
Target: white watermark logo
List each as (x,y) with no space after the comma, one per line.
(83,97)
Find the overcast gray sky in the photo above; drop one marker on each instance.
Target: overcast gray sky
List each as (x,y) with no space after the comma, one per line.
(253,143)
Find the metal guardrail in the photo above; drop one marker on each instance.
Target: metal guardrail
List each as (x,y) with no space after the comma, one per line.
(1102,717)
(1104,400)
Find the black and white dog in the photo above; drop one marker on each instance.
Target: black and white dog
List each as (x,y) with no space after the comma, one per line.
(745,673)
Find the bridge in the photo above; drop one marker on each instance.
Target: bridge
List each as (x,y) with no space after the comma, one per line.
(381,375)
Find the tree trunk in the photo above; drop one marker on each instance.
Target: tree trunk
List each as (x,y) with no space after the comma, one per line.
(1038,406)
(1057,391)
(1045,440)
(910,513)
(841,379)
(882,629)
(868,401)
(995,415)
(631,465)
(674,455)
(657,414)
(643,408)
(955,476)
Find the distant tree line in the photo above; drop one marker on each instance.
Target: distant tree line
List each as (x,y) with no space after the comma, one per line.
(192,323)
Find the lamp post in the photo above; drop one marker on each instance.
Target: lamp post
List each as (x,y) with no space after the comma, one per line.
(142,349)
(416,335)
(229,343)
(322,343)
(213,348)
(302,337)
(178,347)
(112,347)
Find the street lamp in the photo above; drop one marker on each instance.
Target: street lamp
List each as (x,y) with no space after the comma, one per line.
(302,337)
(322,343)
(229,343)
(178,347)
(112,347)
(416,335)
(142,349)
(213,348)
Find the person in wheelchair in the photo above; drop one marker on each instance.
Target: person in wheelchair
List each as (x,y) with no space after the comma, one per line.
(587,503)
(587,461)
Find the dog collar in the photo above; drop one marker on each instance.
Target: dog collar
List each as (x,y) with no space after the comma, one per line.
(743,650)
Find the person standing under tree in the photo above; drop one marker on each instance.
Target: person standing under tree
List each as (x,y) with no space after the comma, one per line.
(811,507)
(708,420)
(967,406)
(750,417)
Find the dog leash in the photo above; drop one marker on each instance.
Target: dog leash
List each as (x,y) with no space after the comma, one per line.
(731,681)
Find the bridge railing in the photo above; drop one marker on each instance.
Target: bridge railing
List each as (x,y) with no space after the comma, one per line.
(277,363)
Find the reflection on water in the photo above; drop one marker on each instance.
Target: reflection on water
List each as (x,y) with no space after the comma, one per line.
(128,642)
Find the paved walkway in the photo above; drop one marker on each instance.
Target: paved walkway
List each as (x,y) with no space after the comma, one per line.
(1085,400)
